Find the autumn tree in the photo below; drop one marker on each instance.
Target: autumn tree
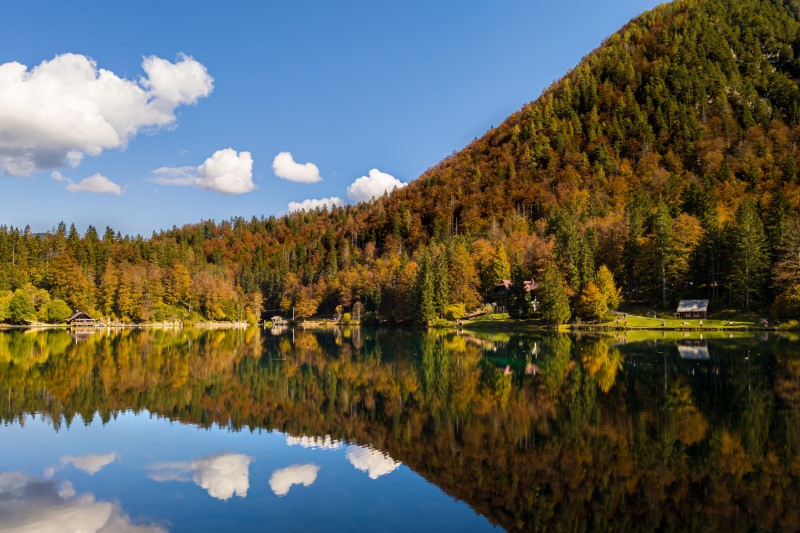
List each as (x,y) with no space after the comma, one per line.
(605,284)
(592,303)
(464,281)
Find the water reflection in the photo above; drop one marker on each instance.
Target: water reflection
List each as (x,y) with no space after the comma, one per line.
(314,443)
(375,463)
(283,479)
(221,475)
(580,432)
(694,349)
(34,505)
(90,464)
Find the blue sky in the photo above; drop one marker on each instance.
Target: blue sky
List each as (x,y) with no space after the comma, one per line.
(346,86)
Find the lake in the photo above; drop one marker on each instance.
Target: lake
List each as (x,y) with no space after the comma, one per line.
(396,430)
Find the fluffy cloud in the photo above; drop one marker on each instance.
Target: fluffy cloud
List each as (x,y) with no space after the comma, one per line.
(285,168)
(28,504)
(373,186)
(283,479)
(221,475)
(373,462)
(97,184)
(321,443)
(311,204)
(65,108)
(225,171)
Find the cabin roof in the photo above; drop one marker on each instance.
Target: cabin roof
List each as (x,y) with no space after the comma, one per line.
(79,314)
(505,284)
(692,306)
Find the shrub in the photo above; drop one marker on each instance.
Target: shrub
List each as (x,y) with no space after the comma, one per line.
(455,311)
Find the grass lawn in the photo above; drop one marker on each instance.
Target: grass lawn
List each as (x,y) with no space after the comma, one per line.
(632,321)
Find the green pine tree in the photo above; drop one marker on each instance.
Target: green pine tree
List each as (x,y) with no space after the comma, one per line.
(426,308)
(553,296)
(750,257)
(518,298)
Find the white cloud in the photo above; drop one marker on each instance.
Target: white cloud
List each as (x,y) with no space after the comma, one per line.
(283,479)
(373,462)
(311,204)
(180,83)
(28,504)
(65,108)
(225,171)
(285,168)
(97,184)
(177,176)
(221,475)
(91,464)
(321,443)
(373,186)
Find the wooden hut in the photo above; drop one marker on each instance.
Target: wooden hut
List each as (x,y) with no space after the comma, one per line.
(693,309)
(498,295)
(81,319)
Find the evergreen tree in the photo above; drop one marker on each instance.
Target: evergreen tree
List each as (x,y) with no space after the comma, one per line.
(441,283)
(426,307)
(750,256)
(553,296)
(519,305)
(662,231)
(786,270)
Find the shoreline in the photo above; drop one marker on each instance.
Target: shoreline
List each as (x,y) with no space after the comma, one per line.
(497,325)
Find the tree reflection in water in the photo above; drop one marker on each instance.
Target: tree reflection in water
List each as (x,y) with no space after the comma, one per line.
(532,432)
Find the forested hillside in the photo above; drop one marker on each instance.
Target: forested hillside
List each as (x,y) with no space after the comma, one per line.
(670,154)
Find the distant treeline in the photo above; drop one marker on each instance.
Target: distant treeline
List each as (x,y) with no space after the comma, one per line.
(670,154)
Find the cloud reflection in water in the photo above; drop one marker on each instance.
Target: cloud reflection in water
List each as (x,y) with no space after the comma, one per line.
(43,506)
(320,443)
(221,475)
(375,463)
(283,479)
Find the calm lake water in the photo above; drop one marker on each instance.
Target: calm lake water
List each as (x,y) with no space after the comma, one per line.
(392,430)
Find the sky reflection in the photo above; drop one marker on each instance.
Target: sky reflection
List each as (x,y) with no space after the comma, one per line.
(221,475)
(91,464)
(374,462)
(34,505)
(283,479)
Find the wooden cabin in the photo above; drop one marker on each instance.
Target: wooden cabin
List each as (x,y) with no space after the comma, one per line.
(278,321)
(499,293)
(693,309)
(81,319)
